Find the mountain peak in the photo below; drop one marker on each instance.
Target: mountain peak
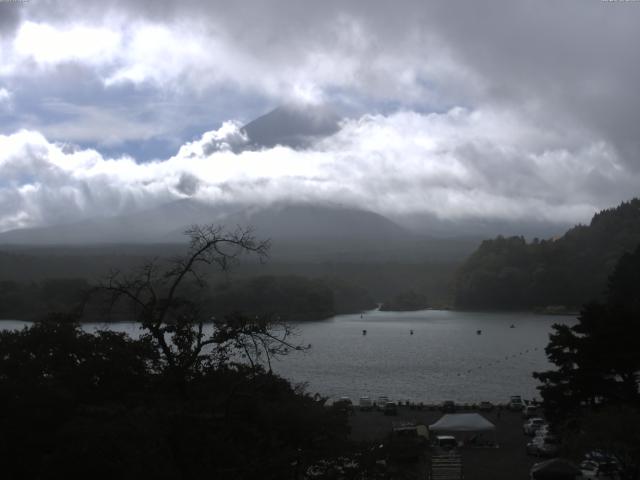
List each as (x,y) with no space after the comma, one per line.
(292,125)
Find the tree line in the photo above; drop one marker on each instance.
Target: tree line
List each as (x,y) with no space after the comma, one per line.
(289,297)
(511,273)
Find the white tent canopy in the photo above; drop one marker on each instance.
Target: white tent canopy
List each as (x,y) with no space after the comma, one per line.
(462,422)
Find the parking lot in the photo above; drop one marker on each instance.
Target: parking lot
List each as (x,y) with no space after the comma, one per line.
(508,461)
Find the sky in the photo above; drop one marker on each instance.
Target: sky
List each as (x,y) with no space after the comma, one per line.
(499,111)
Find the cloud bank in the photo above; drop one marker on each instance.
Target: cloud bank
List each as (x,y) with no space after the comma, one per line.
(459,165)
(465,110)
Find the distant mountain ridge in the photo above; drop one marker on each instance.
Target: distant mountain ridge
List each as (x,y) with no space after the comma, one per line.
(561,273)
(166,224)
(147,226)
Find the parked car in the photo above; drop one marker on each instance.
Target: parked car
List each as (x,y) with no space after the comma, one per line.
(485,406)
(344,404)
(543,431)
(446,442)
(406,442)
(549,447)
(533,447)
(600,456)
(390,408)
(516,403)
(365,404)
(591,469)
(382,401)
(448,406)
(532,426)
(530,411)
(599,464)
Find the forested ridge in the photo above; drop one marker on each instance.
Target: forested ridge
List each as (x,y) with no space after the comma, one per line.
(291,298)
(558,274)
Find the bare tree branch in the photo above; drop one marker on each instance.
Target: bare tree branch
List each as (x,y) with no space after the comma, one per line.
(174,321)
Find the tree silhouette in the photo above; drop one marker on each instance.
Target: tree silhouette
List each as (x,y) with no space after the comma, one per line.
(166,298)
(178,402)
(598,359)
(592,397)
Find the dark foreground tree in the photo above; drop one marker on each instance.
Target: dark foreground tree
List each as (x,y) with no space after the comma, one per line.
(185,400)
(598,358)
(166,297)
(598,367)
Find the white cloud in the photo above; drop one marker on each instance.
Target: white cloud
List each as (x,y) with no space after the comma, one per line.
(460,164)
(206,53)
(548,132)
(227,137)
(47,45)
(374,55)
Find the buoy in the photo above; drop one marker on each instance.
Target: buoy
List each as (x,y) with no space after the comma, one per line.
(512,326)
(411,332)
(479,332)
(364,332)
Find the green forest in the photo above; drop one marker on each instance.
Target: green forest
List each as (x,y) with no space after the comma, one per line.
(553,275)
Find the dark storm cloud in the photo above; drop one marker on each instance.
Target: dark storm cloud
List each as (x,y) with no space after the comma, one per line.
(562,61)
(492,110)
(188,184)
(566,62)
(9,17)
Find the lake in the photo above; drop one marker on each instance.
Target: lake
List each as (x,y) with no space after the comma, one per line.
(444,359)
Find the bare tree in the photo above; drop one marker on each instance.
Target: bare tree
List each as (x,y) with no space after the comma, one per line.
(163,296)
(258,339)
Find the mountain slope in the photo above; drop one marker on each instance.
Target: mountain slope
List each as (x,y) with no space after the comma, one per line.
(292,126)
(149,226)
(166,224)
(568,271)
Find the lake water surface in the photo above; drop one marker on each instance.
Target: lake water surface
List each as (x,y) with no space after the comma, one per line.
(444,359)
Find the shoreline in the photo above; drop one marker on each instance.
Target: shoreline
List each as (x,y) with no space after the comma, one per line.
(540,312)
